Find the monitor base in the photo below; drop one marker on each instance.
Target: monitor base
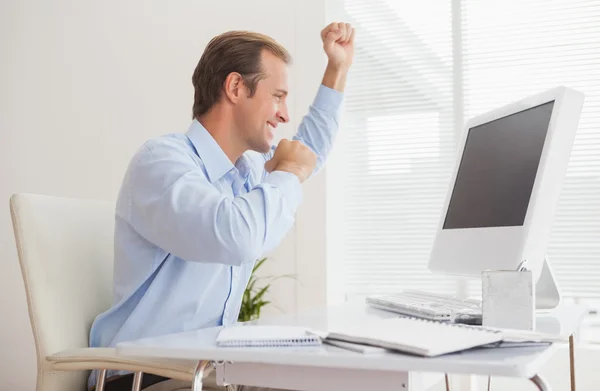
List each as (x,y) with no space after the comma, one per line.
(547,294)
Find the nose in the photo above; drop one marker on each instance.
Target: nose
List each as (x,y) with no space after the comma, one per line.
(282,113)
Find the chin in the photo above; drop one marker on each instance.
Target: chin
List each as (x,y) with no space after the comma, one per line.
(263,148)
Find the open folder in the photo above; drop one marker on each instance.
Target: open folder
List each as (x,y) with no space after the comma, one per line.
(409,335)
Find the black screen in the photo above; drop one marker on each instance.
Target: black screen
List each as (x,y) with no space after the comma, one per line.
(497,171)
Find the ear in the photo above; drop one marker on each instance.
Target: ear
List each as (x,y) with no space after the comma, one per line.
(234,87)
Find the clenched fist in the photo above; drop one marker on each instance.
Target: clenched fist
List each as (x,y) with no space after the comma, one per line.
(294,157)
(338,43)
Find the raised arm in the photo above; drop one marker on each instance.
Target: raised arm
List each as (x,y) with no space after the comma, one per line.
(319,127)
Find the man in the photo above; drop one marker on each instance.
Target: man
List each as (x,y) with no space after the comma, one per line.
(196,210)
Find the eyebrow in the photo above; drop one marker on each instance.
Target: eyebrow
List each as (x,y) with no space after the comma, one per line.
(284,92)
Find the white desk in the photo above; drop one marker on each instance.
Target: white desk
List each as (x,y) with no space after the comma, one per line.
(331,368)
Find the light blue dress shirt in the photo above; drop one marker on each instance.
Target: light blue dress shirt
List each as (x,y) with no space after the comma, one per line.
(190,225)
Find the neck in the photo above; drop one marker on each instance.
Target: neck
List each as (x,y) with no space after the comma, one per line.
(221,127)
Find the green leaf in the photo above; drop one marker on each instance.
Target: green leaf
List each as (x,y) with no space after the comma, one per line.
(251,284)
(260,294)
(258,265)
(246,298)
(258,286)
(262,303)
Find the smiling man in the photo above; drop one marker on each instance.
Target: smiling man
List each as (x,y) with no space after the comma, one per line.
(196,209)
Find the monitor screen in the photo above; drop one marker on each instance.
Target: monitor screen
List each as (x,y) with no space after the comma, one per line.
(497,170)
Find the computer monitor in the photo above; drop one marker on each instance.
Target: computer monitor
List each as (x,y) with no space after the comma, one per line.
(505,187)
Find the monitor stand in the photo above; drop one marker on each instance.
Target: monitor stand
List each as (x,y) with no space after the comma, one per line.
(547,295)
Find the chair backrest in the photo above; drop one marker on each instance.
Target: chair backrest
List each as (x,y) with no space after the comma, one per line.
(65,250)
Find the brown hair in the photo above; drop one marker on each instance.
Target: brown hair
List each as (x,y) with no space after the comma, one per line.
(233,51)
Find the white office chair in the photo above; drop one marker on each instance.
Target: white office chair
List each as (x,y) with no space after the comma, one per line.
(65,250)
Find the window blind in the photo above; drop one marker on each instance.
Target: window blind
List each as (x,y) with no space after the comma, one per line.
(397,146)
(515,48)
(419,71)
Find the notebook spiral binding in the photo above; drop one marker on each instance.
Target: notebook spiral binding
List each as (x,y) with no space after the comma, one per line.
(306,341)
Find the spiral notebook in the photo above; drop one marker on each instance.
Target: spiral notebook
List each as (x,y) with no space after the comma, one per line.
(266,336)
(416,336)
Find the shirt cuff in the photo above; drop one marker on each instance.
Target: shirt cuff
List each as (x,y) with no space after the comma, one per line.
(328,99)
(289,185)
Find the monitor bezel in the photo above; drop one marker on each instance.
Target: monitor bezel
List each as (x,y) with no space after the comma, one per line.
(469,251)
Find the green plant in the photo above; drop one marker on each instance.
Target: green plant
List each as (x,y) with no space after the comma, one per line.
(253,300)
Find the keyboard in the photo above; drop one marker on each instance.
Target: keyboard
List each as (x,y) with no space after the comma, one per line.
(426,305)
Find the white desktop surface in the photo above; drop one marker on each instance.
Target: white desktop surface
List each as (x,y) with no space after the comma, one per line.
(507,361)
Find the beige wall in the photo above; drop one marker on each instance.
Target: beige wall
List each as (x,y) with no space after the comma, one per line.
(82,84)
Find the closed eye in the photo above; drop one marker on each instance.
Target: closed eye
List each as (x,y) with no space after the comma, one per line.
(280,93)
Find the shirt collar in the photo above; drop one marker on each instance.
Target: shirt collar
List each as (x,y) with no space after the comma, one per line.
(215,161)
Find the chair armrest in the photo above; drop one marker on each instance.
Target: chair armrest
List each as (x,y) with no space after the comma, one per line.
(107,358)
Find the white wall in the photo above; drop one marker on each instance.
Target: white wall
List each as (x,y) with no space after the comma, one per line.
(83,84)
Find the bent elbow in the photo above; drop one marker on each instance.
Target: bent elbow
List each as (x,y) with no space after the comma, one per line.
(239,241)
(236,251)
